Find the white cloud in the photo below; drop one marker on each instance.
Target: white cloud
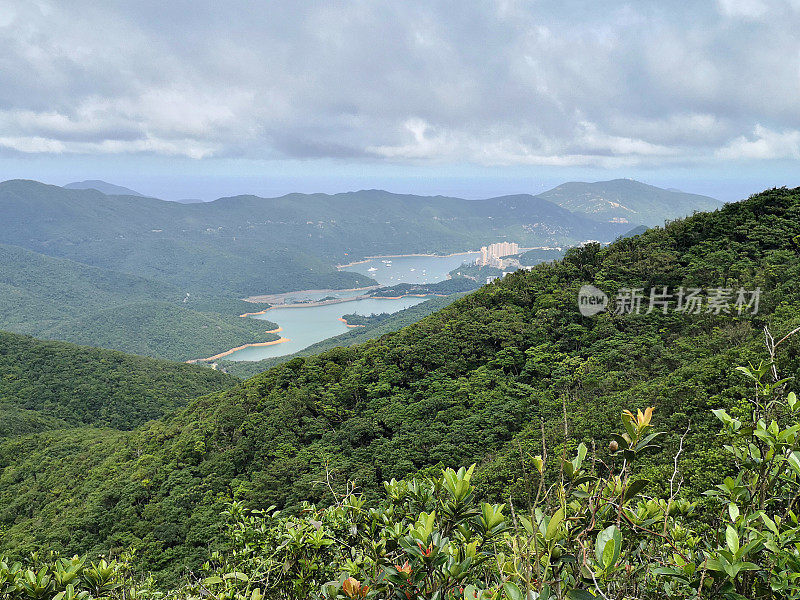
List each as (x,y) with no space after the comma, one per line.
(764,144)
(504,83)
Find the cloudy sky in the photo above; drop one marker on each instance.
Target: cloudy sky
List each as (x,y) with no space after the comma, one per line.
(203,99)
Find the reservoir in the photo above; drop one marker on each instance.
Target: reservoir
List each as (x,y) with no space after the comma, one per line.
(391,270)
(308,325)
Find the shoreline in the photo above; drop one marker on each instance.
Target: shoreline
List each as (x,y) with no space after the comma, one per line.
(343,320)
(307,305)
(409,296)
(265,298)
(341,301)
(366,259)
(232,350)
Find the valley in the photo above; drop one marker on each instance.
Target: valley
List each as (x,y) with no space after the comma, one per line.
(165,280)
(470,383)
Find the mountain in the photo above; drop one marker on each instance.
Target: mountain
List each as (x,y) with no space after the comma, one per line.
(109,189)
(73,385)
(489,379)
(628,201)
(39,291)
(247,245)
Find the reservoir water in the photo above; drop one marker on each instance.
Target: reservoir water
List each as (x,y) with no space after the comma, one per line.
(391,270)
(306,325)
(311,324)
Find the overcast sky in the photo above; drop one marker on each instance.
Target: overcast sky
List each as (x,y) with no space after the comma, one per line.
(203,99)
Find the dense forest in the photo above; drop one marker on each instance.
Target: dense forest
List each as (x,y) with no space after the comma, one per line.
(511,378)
(55,383)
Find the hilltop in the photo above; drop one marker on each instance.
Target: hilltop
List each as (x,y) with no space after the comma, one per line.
(109,189)
(628,201)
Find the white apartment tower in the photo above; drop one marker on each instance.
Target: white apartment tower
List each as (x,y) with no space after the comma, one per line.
(490,255)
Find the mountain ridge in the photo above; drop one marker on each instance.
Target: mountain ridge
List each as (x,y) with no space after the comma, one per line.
(636,202)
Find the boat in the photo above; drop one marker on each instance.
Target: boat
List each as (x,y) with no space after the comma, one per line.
(372,269)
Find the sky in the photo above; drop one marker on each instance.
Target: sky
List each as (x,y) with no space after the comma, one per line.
(470,98)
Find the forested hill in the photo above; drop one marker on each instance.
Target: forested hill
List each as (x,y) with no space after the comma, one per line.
(478,381)
(248,245)
(76,385)
(57,298)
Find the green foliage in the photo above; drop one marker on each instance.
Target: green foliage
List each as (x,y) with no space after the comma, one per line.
(354,320)
(590,534)
(539,255)
(478,273)
(44,385)
(492,379)
(70,579)
(163,330)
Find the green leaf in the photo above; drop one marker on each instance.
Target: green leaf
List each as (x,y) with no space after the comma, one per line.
(471,592)
(580,595)
(608,545)
(733,512)
(512,591)
(634,488)
(769,523)
(794,461)
(732,539)
(554,524)
(722,415)
(213,580)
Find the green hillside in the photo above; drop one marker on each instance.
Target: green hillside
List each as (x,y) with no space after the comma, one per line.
(248,245)
(38,291)
(162,330)
(485,380)
(627,201)
(56,298)
(75,385)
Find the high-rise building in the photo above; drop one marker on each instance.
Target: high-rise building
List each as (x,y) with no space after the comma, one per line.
(490,255)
